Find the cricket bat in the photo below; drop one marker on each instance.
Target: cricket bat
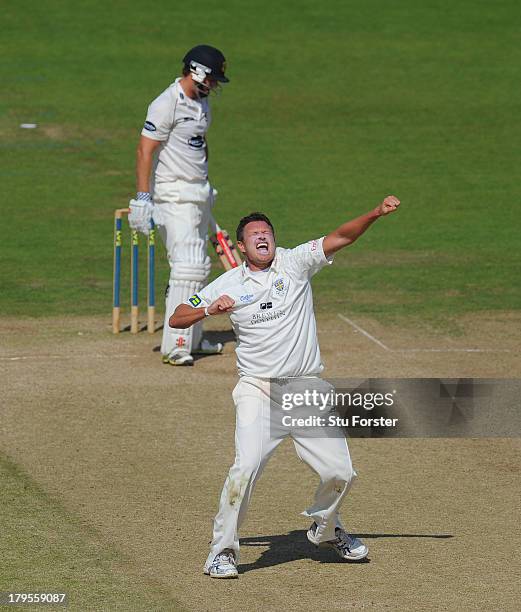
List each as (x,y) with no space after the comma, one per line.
(227,252)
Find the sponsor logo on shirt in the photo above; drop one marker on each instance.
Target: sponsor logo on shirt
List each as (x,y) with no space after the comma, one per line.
(196,142)
(195,300)
(185,119)
(246,298)
(265,317)
(181,95)
(313,245)
(150,126)
(266,305)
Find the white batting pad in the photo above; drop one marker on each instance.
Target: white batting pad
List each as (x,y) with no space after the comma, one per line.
(179,291)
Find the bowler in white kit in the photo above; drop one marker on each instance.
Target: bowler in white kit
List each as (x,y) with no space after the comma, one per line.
(270,303)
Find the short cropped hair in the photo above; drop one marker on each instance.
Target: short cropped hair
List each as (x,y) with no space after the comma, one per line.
(255,216)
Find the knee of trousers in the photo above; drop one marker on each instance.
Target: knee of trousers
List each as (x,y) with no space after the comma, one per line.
(244,471)
(340,474)
(240,481)
(183,271)
(245,467)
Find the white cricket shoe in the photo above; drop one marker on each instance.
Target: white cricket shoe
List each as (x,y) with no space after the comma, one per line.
(179,357)
(223,565)
(208,348)
(345,545)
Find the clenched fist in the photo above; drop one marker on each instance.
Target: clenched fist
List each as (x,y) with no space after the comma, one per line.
(221,305)
(389,205)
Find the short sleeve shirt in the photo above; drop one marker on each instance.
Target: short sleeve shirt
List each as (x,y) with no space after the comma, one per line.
(180,123)
(273,316)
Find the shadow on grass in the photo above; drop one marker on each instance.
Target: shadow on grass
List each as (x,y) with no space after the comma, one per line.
(295,545)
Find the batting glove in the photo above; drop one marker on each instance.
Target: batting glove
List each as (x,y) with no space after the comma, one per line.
(140,215)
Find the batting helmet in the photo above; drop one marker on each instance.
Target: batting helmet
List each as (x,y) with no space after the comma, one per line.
(209,59)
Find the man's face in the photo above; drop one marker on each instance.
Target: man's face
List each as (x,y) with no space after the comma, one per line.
(258,244)
(195,90)
(208,86)
(211,83)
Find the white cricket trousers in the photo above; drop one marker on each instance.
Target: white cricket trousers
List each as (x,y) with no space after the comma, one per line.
(182,214)
(256,437)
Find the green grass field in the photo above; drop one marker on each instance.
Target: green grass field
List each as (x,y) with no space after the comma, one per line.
(47,549)
(330,107)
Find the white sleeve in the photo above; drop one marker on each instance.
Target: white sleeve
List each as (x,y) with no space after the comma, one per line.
(160,117)
(309,257)
(205,296)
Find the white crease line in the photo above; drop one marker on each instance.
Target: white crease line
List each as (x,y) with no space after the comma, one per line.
(362,331)
(420,350)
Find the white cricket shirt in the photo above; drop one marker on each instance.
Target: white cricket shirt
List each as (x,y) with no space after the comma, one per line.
(180,123)
(273,316)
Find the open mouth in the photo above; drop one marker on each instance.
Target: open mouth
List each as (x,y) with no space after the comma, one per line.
(262,247)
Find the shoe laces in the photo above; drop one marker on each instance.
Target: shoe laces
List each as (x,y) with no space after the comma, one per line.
(225,557)
(344,540)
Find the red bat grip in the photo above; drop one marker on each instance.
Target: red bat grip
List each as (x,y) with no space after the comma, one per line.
(226,249)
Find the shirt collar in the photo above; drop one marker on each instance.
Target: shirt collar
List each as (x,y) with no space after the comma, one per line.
(246,271)
(184,98)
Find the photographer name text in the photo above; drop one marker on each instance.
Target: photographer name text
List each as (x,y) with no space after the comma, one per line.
(335,421)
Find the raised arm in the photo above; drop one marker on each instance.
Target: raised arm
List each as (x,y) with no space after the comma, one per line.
(347,233)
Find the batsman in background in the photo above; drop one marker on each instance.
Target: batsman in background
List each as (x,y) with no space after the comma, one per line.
(173,189)
(270,303)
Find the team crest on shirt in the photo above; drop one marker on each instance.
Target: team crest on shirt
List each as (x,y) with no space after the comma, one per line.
(195,300)
(280,287)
